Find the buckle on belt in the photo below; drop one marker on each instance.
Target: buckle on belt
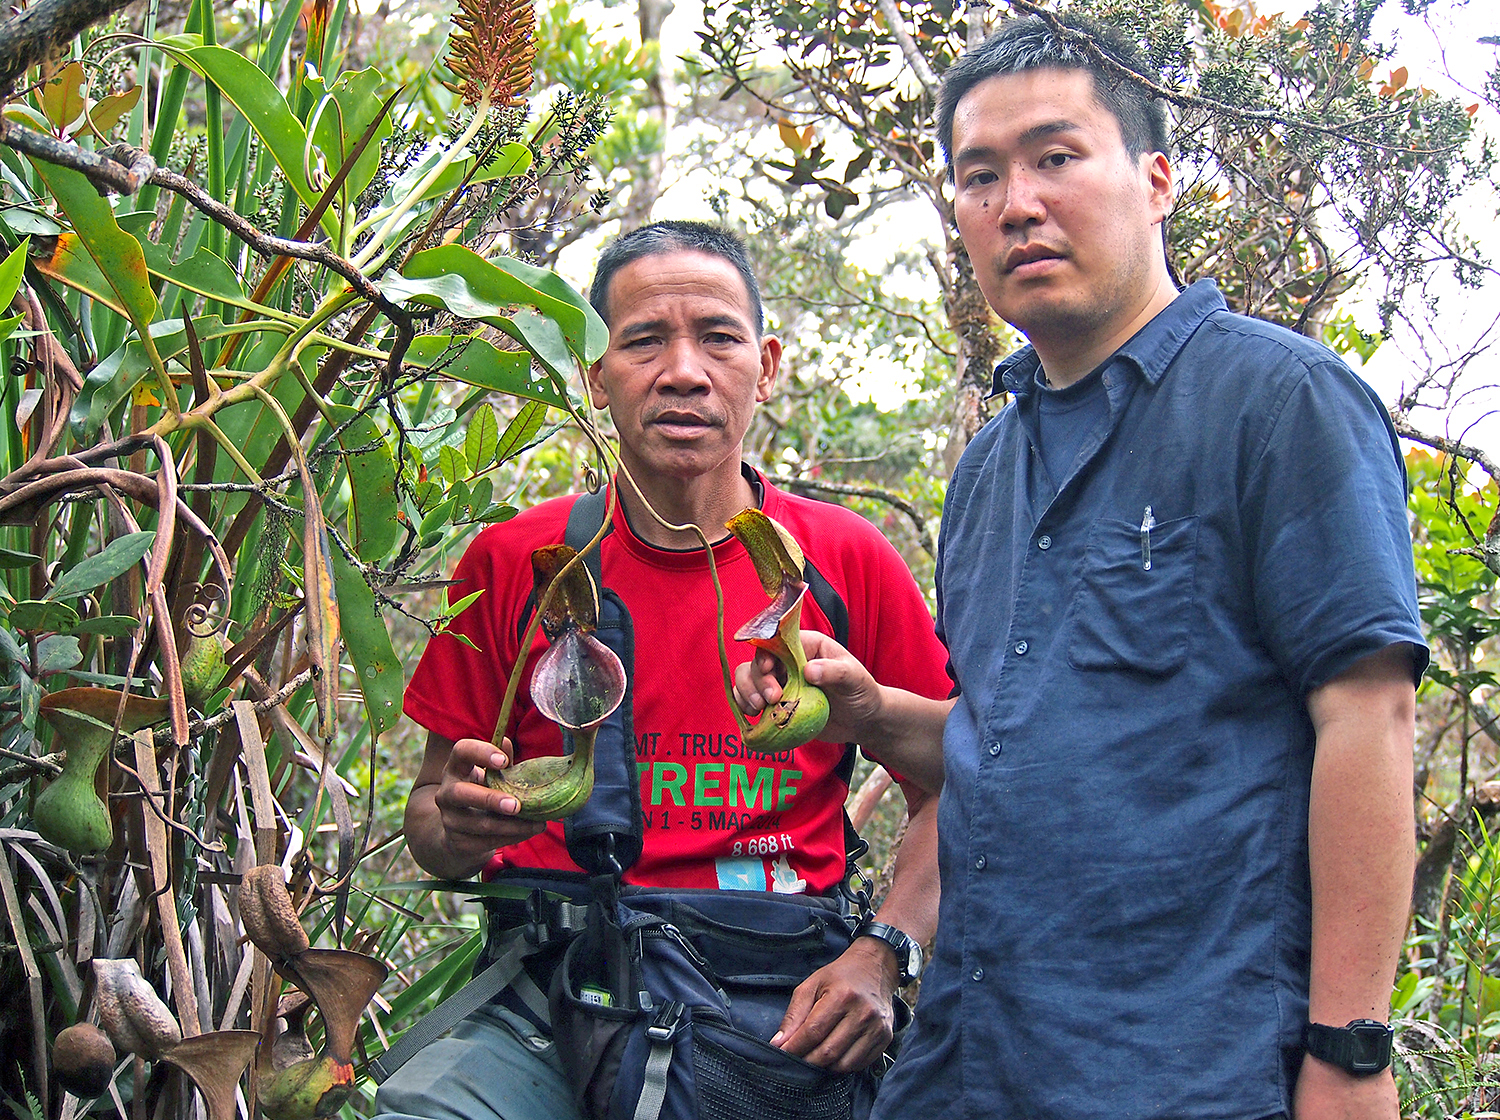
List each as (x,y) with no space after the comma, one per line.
(667,1021)
(537,931)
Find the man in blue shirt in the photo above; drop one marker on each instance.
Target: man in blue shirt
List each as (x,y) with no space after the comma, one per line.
(1176,586)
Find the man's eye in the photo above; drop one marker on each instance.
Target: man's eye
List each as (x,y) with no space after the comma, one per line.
(1056,160)
(719,338)
(981,179)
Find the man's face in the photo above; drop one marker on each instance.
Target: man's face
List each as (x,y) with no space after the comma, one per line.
(684,369)
(1062,224)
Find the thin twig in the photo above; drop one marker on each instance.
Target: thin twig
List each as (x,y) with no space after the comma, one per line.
(924,538)
(113,175)
(909,47)
(1192,100)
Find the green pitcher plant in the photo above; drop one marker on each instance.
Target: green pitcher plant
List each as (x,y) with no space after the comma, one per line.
(576,683)
(802,711)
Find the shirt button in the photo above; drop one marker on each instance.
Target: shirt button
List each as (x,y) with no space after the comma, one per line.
(1021,647)
(979,863)
(994,749)
(1044,542)
(977,975)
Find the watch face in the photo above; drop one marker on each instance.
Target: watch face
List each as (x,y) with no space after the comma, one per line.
(1371,1047)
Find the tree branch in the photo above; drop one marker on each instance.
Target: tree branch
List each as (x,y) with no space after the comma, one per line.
(1191,100)
(909,47)
(31,36)
(923,537)
(124,170)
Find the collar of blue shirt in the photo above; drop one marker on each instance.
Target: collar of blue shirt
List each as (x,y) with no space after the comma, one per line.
(1150,350)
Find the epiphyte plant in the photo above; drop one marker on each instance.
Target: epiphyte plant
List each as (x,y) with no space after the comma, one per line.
(577,683)
(295,1083)
(803,708)
(70,812)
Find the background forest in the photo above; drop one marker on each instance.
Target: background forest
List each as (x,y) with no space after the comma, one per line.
(288,311)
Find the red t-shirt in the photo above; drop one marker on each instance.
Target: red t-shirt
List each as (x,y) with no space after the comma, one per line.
(716,815)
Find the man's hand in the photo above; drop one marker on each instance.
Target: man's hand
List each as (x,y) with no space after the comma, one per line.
(841,1017)
(854,697)
(454,822)
(1325,1092)
(903,729)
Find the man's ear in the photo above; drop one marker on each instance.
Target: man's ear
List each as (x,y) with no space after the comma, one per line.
(597,393)
(770,365)
(1161,187)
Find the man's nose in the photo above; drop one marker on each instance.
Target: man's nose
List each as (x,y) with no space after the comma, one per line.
(1023,204)
(683,367)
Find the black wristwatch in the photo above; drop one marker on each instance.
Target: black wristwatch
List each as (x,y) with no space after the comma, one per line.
(908,952)
(1361,1048)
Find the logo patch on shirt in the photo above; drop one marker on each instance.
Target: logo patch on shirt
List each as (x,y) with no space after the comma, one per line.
(741,874)
(784,878)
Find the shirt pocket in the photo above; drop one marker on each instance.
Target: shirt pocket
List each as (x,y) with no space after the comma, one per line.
(1128,613)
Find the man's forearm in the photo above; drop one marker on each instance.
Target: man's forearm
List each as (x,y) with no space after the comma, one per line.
(906,734)
(1361,851)
(426,842)
(1361,839)
(911,905)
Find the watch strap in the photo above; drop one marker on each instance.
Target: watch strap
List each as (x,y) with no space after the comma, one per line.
(901,943)
(1362,1047)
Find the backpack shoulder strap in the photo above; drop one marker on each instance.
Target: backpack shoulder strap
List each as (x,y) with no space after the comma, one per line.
(584,520)
(829,601)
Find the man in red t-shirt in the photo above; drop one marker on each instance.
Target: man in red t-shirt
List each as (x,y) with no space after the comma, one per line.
(687,363)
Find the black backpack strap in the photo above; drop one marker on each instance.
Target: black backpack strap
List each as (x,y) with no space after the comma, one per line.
(584,520)
(605,836)
(829,601)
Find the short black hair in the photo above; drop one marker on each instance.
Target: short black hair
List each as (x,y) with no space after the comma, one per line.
(1032,44)
(674,237)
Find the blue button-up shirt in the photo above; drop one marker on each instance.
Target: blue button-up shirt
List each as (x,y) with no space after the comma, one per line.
(1123,831)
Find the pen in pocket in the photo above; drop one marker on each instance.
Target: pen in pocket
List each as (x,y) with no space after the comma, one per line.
(1148,522)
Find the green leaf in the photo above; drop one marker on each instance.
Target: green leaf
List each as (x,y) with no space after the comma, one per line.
(371,465)
(33,615)
(71,264)
(501,512)
(10,558)
(351,105)
(451,464)
(425,493)
(117,254)
(591,344)
(521,431)
(481,438)
(11,270)
(207,274)
(511,160)
(377,669)
(476,362)
(453,610)
(110,625)
(459,279)
(62,97)
(261,103)
(118,556)
(479,500)
(438,516)
(59,652)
